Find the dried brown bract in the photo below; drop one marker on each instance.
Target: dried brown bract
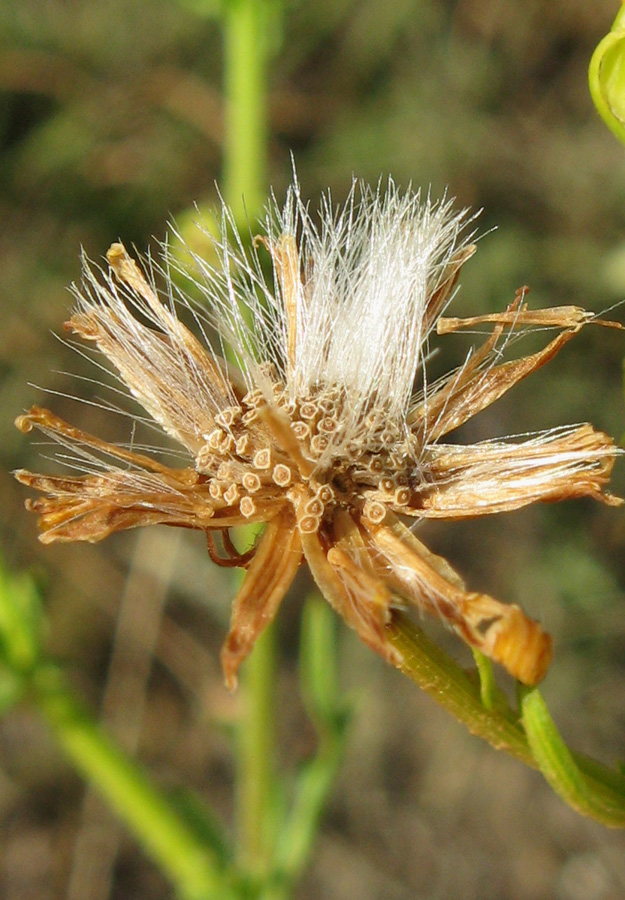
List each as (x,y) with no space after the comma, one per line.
(318,431)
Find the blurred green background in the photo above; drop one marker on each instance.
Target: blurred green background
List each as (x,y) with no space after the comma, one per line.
(111,125)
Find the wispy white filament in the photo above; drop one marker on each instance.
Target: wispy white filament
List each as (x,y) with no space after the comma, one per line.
(367,271)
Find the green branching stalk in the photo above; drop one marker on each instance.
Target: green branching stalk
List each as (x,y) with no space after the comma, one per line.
(255,747)
(247,45)
(318,666)
(275,837)
(298,826)
(585,784)
(459,693)
(330,714)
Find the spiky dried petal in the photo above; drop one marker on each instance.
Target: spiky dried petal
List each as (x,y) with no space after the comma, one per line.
(497,476)
(93,506)
(474,388)
(361,599)
(552,317)
(277,559)
(503,633)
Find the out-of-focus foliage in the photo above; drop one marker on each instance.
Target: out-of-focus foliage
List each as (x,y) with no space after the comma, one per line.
(606,77)
(111,123)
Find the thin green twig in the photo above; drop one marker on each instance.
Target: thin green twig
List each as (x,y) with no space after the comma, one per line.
(451,686)
(256,787)
(245,151)
(299,826)
(585,784)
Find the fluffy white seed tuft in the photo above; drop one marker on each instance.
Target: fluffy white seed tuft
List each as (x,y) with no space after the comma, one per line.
(367,270)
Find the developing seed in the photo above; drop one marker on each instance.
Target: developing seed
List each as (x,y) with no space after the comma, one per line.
(232,494)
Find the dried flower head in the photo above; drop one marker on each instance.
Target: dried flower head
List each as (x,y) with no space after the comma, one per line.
(325,429)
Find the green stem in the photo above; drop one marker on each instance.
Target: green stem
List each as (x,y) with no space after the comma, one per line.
(585,784)
(255,755)
(300,828)
(246,43)
(318,665)
(246,26)
(329,712)
(174,846)
(450,685)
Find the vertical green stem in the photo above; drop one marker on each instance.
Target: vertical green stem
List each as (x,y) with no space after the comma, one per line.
(246,48)
(246,107)
(255,756)
(329,712)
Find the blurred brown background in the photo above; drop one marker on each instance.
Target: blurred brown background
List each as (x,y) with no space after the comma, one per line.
(110,125)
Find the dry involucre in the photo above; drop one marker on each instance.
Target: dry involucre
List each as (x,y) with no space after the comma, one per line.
(317,429)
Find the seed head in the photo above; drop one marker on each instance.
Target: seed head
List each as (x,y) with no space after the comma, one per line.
(325,428)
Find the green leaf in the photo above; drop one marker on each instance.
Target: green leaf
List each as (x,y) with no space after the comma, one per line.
(174,841)
(584,784)
(202,820)
(20,621)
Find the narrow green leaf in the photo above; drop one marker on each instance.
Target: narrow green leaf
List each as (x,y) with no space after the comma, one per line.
(204,822)
(489,692)
(300,828)
(188,861)
(20,621)
(595,792)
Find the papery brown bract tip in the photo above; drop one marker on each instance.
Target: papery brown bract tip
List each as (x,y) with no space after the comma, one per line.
(23,424)
(522,647)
